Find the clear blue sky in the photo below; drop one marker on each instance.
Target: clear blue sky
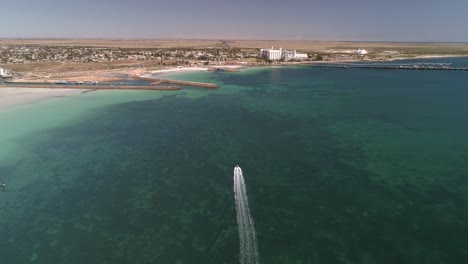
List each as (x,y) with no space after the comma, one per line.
(375,20)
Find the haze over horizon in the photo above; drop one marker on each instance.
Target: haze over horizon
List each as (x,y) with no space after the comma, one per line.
(332,20)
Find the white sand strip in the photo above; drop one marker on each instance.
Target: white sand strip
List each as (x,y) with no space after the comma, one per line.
(180,69)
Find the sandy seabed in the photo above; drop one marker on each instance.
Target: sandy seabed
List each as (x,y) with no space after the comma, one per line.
(12,97)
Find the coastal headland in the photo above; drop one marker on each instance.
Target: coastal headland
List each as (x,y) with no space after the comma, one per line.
(45,62)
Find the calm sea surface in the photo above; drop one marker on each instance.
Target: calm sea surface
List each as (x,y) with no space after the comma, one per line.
(341,166)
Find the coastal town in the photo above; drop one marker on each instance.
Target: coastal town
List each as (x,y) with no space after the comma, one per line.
(80,62)
(22,54)
(61,64)
(233,132)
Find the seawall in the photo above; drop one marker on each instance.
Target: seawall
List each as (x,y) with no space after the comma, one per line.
(155,81)
(92,87)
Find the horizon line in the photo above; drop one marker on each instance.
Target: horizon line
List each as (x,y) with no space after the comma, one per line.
(230,39)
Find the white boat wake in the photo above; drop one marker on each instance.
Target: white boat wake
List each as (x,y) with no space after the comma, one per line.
(247,237)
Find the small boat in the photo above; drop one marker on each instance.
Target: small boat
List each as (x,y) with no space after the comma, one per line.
(62,82)
(79,82)
(237,169)
(94,82)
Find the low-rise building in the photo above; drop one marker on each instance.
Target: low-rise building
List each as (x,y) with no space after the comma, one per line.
(4,73)
(361,51)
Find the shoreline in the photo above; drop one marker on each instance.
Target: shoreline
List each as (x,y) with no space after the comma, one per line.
(420,57)
(13,95)
(188,69)
(429,57)
(155,76)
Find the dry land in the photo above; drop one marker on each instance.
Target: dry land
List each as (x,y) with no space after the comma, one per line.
(422,48)
(374,47)
(119,43)
(112,60)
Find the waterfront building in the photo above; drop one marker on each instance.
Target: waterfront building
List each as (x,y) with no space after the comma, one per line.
(280,54)
(300,56)
(288,55)
(271,54)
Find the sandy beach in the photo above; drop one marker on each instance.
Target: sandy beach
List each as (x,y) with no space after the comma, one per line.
(191,69)
(179,69)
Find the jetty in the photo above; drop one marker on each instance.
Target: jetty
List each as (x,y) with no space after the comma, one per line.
(155,85)
(223,69)
(390,66)
(155,81)
(93,87)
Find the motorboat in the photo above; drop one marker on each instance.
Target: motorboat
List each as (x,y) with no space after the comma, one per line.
(237,168)
(61,82)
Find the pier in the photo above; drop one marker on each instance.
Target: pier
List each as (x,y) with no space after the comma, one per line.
(388,66)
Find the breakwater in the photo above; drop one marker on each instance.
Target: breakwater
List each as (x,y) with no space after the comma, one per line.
(92,87)
(154,84)
(223,69)
(155,81)
(416,66)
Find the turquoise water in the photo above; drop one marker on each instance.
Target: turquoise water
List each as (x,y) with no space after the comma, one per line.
(341,166)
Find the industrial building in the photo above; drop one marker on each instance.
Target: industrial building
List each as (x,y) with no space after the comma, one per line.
(280,54)
(271,54)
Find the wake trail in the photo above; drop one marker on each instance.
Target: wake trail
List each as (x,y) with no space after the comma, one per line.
(248,249)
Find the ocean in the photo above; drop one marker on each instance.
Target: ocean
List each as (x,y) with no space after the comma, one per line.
(340,166)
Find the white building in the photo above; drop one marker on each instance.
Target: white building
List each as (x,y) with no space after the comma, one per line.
(271,54)
(4,73)
(300,56)
(288,55)
(274,54)
(361,51)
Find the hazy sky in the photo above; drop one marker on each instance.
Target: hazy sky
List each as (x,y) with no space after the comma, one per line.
(377,20)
